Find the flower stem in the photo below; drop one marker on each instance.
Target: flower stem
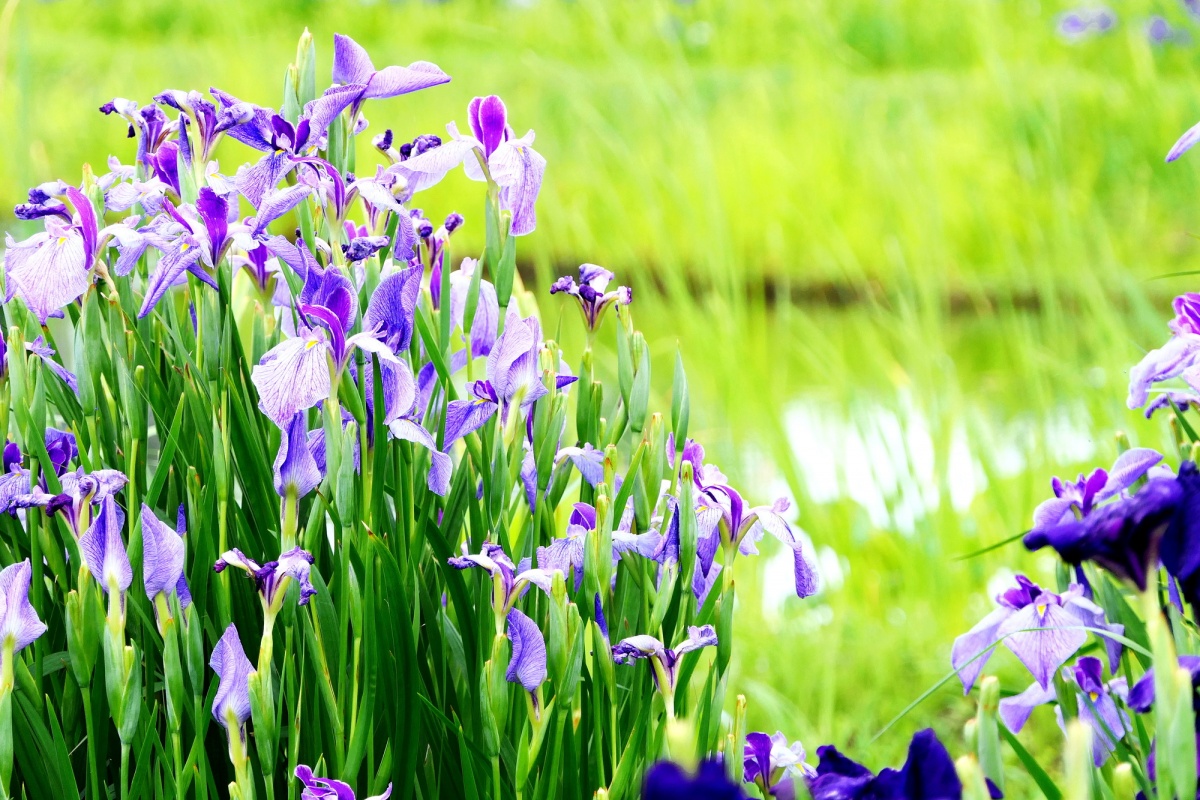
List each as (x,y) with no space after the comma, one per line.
(93,779)
(124,771)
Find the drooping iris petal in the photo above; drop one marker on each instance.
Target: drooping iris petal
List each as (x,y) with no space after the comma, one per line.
(1043,651)
(293,376)
(103,549)
(440,465)
(295,468)
(18,619)
(392,308)
(528,663)
(233,689)
(1173,359)
(668,781)
(162,557)
(47,271)
(466,416)
(1015,710)
(519,170)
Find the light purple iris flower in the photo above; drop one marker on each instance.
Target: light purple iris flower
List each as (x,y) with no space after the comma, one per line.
(295,375)
(527,666)
(231,706)
(295,468)
(384,194)
(664,660)
(509,580)
(773,764)
(103,549)
(81,492)
(1178,358)
(1075,26)
(512,377)
(273,578)
(1106,721)
(19,621)
(591,294)
(163,558)
(148,123)
(329,789)
(512,163)
(1041,628)
(352,69)
(1082,495)
(723,519)
(208,120)
(51,269)
(566,553)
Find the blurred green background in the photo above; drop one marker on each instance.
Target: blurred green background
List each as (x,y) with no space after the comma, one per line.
(908,250)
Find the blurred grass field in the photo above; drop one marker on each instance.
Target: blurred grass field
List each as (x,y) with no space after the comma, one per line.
(908,255)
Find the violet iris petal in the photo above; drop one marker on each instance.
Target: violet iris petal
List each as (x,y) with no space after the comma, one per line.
(273,577)
(591,294)
(393,307)
(632,648)
(1141,696)
(293,376)
(162,558)
(103,549)
(528,663)
(1042,629)
(39,348)
(329,789)
(352,66)
(18,619)
(295,468)
(927,774)
(232,703)
(668,781)
(496,562)
(1123,536)
(48,270)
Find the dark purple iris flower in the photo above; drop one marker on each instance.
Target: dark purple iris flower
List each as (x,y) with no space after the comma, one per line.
(329,789)
(928,774)
(1099,710)
(1041,628)
(668,781)
(81,493)
(273,577)
(591,294)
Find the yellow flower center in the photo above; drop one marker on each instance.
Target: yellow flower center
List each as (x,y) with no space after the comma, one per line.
(1094,695)
(1041,609)
(184,247)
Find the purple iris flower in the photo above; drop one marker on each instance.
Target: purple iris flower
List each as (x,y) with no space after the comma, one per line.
(203,114)
(1041,628)
(294,375)
(437,249)
(103,549)
(1141,696)
(329,789)
(163,558)
(512,377)
(566,553)
(927,774)
(273,577)
(384,194)
(668,781)
(80,494)
(148,123)
(527,666)
(772,763)
(295,468)
(723,519)
(1123,536)
(40,349)
(352,67)
(487,308)
(51,269)
(591,294)
(1178,357)
(19,621)
(664,660)
(231,706)
(1082,495)
(363,247)
(508,580)
(512,163)
(1088,675)
(43,202)
(260,263)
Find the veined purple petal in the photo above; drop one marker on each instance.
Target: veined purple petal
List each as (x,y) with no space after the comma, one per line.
(430,167)
(519,170)
(214,213)
(179,259)
(47,271)
(18,619)
(1185,143)
(322,788)
(393,307)
(466,416)
(973,642)
(326,108)
(1043,651)
(351,64)
(1129,467)
(162,556)
(395,81)
(277,203)
(1169,361)
(88,227)
(256,182)
(489,121)
(233,689)
(528,663)
(103,549)
(293,376)
(295,468)
(1015,710)
(698,637)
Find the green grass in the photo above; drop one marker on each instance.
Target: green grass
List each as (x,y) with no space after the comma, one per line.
(948,167)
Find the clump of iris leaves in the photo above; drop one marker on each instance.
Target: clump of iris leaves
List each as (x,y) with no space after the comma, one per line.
(320,510)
